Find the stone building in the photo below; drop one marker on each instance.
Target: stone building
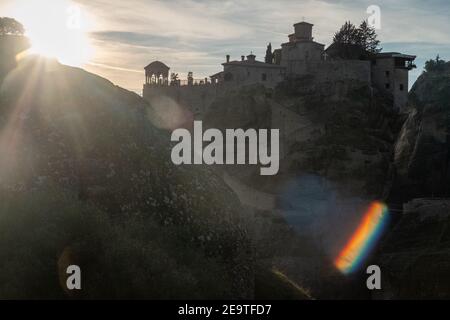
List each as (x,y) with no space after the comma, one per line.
(250,71)
(157,73)
(300,56)
(301,50)
(390,73)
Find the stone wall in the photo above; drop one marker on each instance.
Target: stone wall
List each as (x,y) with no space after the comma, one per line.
(296,57)
(195,98)
(242,75)
(332,71)
(386,74)
(198,98)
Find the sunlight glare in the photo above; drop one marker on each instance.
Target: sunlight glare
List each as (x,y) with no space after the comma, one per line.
(57,29)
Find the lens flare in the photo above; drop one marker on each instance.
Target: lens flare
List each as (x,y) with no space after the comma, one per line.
(364,239)
(56,28)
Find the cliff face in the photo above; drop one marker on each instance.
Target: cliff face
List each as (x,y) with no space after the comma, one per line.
(336,141)
(422,149)
(342,131)
(86,178)
(414,256)
(341,147)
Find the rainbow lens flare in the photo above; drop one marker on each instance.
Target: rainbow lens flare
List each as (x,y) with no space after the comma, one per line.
(364,239)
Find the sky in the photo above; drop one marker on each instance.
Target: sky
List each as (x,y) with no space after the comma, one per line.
(196,35)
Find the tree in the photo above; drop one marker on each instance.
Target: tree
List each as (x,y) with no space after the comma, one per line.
(10,26)
(364,37)
(348,34)
(367,38)
(436,65)
(174,79)
(269,54)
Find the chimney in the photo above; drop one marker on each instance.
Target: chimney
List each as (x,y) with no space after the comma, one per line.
(228,58)
(242,58)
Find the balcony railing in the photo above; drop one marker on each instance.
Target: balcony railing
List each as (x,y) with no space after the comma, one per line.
(182,83)
(405,64)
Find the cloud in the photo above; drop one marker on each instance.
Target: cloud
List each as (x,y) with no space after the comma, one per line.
(135,38)
(195,35)
(182,19)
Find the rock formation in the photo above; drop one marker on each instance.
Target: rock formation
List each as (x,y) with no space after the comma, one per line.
(422,149)
(83,169)
(415,254)
(337,141)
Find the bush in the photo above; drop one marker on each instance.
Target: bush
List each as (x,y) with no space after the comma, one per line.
(436,65)
(10,26)
(44,231)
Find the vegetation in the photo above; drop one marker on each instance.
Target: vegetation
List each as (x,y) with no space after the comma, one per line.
(10,26)
(103,187)
(437,65)
(364,37)
(127,258)
(174,80)
(368,38)
(12,42)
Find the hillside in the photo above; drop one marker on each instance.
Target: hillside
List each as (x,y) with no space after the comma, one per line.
(85,178)
(10,46)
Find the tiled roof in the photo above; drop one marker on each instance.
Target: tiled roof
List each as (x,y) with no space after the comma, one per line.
(247,63)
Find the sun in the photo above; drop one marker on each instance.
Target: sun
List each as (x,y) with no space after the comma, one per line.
(57,29)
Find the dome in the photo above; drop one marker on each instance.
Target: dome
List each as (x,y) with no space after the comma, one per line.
(157,67)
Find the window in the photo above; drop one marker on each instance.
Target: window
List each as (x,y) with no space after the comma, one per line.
(402,87)
(387,85)
(264,77)
(388,73)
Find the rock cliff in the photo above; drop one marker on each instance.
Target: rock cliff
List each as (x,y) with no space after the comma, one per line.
(343,131)
(337,143)
(422,149)
(415,254)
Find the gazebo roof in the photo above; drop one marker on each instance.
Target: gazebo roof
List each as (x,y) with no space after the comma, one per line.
(157,67)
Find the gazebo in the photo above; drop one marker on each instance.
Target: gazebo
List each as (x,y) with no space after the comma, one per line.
(157,73)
